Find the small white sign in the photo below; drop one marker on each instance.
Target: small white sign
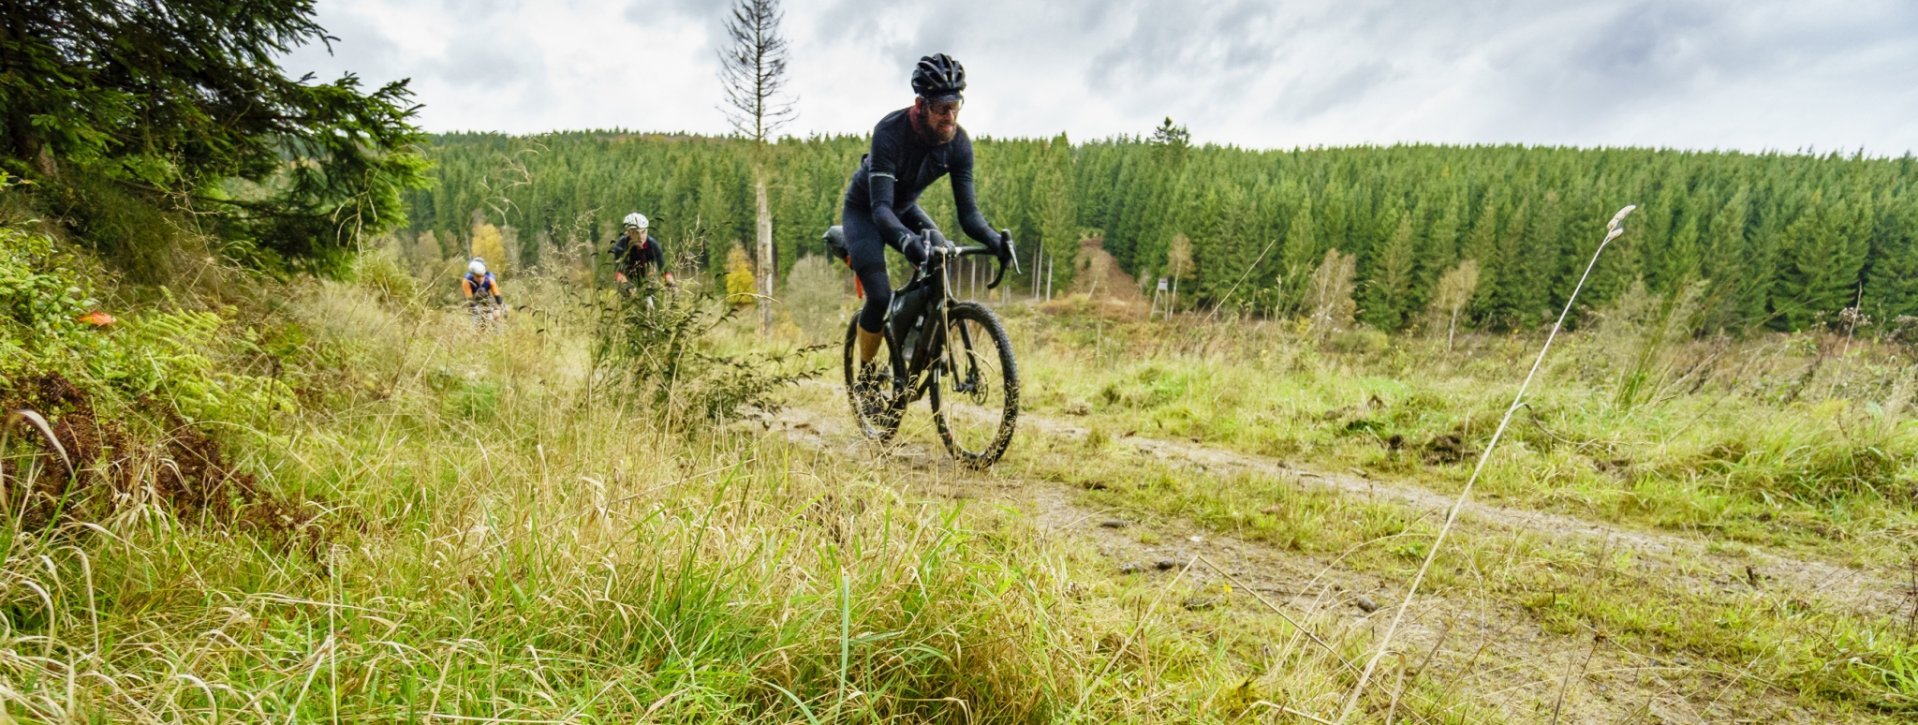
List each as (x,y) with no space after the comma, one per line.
(1163,286)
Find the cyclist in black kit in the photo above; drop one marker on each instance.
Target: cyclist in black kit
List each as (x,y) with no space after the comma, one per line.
(634,252)
(911,148)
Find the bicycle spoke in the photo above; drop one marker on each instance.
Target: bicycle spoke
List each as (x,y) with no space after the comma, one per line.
(975,402)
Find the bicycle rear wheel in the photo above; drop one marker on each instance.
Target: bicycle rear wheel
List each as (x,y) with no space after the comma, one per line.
(877,418)
(976,399)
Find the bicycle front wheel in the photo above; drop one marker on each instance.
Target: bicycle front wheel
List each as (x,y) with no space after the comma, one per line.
(976,399)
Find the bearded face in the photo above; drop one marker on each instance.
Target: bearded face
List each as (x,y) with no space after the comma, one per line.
(941,118)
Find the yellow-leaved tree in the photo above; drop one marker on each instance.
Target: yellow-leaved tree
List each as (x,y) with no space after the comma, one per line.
(490,245)
(739,277)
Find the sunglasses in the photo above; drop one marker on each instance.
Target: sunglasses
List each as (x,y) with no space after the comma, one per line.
(945,107)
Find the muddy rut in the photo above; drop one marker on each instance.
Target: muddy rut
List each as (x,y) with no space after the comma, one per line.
(1847,589)
(1497,652)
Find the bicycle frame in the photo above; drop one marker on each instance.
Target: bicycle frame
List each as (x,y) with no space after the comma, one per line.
(957,345)
(486,313)
(932,355)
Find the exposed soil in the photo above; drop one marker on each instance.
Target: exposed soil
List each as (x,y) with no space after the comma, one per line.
(1101,287)
(1495,650)
(105,467)
(1867,593)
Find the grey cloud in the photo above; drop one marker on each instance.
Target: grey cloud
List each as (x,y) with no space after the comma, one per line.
(710,15)
(1204,48)
(1572,81)
(942,31)
(360,46)
(480,58)
(945,28)
(642,11)
(477,8)
(1090,17)
(1262,71)
(1776,76)
(847,22)
(1649,38)
(1317,95)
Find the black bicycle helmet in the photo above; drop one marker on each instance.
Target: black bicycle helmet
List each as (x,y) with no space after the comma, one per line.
(938,76)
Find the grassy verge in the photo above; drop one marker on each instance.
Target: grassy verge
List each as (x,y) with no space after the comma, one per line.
(327,499)
(1707,624)
(440,524)
(491,543)
(1799,442)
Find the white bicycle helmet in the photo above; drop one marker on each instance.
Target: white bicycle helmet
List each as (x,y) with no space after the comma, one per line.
(477,267)
(636,220)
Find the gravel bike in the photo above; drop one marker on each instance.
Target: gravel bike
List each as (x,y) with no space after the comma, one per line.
(487,316)
(957,352)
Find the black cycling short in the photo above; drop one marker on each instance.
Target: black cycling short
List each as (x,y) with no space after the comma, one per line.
(868,251)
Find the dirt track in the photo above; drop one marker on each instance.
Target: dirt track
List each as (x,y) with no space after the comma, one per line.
(1492,649)
(1865,593)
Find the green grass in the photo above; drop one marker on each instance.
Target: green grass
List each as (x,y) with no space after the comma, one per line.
(488,540)
(1765,643)
(1828,467)
(495,548)
(1787,443)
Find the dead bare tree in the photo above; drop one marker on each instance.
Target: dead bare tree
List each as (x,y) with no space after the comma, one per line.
(752,67)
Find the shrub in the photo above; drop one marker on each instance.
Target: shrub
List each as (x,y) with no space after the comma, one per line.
(739,277)
(172,356)
(38,308)
(659,349)
(1330,295)
(816,291)
(391,283)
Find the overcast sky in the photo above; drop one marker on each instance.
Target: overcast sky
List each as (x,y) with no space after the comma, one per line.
(1743,74)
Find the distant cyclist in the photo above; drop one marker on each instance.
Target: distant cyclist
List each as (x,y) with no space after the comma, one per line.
(911,148)
(479,284)
(636,255)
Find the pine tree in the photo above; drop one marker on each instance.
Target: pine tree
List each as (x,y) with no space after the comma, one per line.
(1233,202)
(1388,294)
(1481,245)
(1891,287)
(173,101)
(1052,215)
(1820,270)
(1303,250)
(1541,257)
(1171,138)
(1740,279)
(1439,249)
(1516,296)
(715,224)
(1677,264)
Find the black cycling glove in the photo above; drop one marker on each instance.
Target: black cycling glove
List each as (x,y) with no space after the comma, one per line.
(916,249)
